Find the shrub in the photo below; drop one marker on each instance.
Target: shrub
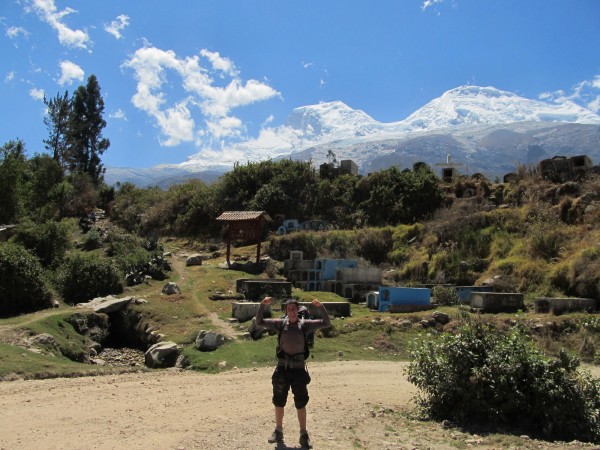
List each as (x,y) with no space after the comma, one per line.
(374,244)
(85,276)
(584,276)
(48,241)
(22,289)
(445,295)
(92,240)
(482,376)
(546,240)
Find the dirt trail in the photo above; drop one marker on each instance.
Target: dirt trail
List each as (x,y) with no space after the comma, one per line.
(185,410)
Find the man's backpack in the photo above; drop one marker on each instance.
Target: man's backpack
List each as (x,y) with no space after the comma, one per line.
(309,338)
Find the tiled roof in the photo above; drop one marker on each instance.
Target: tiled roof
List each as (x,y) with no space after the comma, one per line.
(233,216)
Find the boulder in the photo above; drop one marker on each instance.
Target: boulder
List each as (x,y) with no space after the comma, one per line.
(441,317)
(194,260)
(46,341)
(107,304)
(208,341)
(171,288)
(255,331)
(162,354)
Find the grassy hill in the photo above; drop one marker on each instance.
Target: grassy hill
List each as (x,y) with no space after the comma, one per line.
(534,237)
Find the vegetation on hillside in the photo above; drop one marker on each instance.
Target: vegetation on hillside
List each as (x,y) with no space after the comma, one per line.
(530,235)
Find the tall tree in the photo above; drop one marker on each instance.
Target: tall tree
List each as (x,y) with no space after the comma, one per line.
(86,123)
(12,180)
(57,122)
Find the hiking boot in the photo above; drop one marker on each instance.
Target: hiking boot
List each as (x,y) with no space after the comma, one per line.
(277,436)
(305,440)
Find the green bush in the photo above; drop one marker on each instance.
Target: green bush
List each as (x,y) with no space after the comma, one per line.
(92,240)
(480,375)
(546,240)
(22,289)
(375,244)
(85,276)
(48,241)
(445,295)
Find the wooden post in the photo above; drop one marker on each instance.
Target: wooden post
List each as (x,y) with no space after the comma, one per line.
(228,247)
(258,230)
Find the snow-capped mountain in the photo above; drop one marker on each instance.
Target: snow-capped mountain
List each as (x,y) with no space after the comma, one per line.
(484,126)
(473,105)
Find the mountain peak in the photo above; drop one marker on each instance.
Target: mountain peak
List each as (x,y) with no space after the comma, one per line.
(473,91)
(476,105)
(327,117)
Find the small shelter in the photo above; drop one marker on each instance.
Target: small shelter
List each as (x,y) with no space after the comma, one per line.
(449,169)
(246,225)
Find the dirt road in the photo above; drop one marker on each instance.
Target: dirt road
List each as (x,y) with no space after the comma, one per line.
(354,405)
(185,410)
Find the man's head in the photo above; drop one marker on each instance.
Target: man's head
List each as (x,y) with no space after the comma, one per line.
(291,309)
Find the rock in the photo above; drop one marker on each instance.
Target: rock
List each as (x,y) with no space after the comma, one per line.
(406,323)
(171,288)
(140,301)
(255,331)
(194,260)
(208,341)
(107,304)
(46,341)
(162,354)
(424,323)
(441,317)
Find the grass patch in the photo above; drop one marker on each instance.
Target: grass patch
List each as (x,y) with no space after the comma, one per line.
(19,363)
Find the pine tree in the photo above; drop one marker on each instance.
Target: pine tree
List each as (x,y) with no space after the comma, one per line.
(12,179)
(57,121)
(86,123)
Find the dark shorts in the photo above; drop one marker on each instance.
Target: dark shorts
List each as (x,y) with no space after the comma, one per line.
(283,379)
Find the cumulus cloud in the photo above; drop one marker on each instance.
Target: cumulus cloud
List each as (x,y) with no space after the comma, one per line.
(10,76)
(36,94)
(47,11)
(196,76)
(225,65)
(585,93)
(117,25)
(69,72)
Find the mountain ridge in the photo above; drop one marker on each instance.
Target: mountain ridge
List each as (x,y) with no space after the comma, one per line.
(476,121)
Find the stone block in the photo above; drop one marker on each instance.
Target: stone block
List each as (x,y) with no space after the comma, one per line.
(497,302)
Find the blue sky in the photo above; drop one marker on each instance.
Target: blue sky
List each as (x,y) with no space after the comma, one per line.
(189,76)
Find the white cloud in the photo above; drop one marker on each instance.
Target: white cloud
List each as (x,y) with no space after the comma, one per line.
(225,127)
(10,76)
(219,63)
(585,93)
(15,32)
(36,94)
(117,25)
(268,120)
(70,72)
(177,124)
(307,65)
(119,114)
(152,67)
(428,3)
(47,11)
